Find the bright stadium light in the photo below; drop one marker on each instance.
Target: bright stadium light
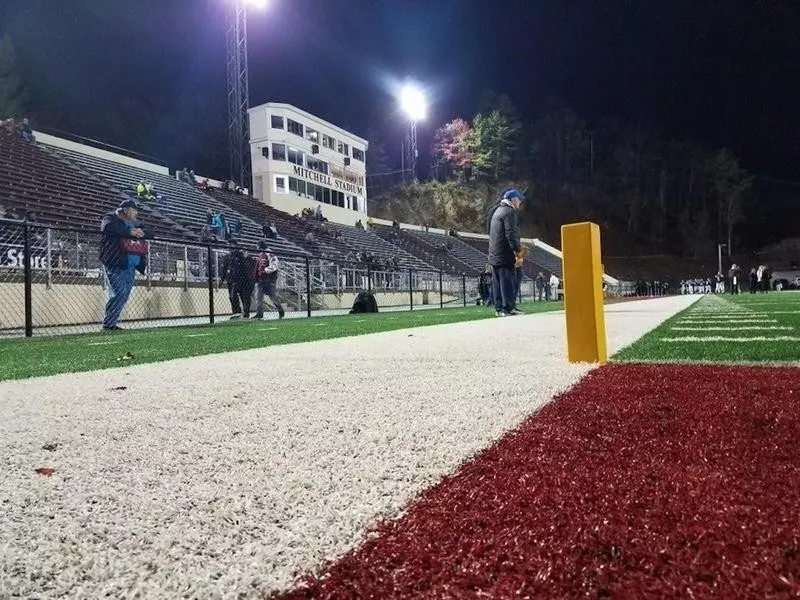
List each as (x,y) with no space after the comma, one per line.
(412,102)
(257,3)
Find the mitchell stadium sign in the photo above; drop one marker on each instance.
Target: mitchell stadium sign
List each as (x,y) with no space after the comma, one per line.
(327,180)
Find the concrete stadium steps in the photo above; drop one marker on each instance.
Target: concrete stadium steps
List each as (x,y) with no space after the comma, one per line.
(433,255)
(60,193)
(369,241)
(181,202)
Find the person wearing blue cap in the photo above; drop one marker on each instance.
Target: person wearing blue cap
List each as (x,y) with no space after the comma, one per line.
(123,251)
(504,247)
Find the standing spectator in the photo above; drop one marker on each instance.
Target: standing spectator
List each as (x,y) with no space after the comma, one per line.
(554,281)
(26,131)
(753,280)
(766,279)
(123,251)
(504,244)
(485,285)
(266,279)
(216,221)
(237,273)
(395,228)
(734,273)
(540,285)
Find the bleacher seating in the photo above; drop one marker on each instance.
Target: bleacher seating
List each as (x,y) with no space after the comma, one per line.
(32,179)
(180,201)
(538,260)
(293,229)
(433,255)
(368,241)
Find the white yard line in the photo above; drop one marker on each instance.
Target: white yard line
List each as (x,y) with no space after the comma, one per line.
(108,343)
(747,328)
(720,338)
(222,476)
(197,334)
(267,328)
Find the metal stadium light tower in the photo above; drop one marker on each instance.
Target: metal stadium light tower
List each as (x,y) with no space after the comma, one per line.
(238,89)
(412,103)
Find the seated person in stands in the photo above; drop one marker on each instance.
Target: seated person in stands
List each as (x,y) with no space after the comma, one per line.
(396,228)
(26,131)
(204,183)
(318,216)
(145,192)
(359,224)
(270,231)
(370,223)
(30,216)
(323,229)
(306,213)
(217,223)
(186,176)
(310,238)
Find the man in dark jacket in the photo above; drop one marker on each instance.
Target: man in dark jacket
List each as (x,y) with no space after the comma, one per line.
(237,272)
(123,251)
(504,246)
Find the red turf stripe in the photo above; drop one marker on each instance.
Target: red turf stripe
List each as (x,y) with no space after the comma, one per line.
(642,481)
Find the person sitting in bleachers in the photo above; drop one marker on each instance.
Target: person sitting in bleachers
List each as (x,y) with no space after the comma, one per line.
(306,214)
(187,176)
(359,225)
(26,131)
(310,238)
(204,183)
(318,216)
(396,228)
(370,223)
(270,231)
(216,221)
(144,191)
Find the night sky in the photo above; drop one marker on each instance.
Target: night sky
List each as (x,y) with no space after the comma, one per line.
(718,72)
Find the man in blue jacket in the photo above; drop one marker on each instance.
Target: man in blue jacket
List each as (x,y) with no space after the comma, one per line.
(504,246)
(123,251)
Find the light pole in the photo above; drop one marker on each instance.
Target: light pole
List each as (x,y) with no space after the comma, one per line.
(238,89)
(412,103)
(719,256)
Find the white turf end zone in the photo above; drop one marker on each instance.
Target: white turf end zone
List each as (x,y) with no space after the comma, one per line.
(224,475)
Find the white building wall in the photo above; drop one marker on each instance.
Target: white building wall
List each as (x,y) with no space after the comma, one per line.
(285,171)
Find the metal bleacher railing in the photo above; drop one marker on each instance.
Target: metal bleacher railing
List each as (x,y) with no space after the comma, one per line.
(52,283)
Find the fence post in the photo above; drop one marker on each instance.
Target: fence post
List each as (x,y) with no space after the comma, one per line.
(209,268)
(441,291)
(148,267)
(186,268)
(464,288)
(26,240)
(308,287)
(49,258)
(410,288)
(369,278)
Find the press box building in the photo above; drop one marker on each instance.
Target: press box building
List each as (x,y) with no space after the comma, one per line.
(301,161)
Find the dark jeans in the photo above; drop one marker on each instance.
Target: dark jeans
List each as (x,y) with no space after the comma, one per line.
(517,282)
(270,289)
(240,294)
(504,286)
(120,284)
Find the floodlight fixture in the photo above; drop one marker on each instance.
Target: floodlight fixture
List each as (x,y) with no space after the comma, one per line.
(412,102)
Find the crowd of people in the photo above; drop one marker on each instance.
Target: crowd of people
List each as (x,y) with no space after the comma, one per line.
(759,279)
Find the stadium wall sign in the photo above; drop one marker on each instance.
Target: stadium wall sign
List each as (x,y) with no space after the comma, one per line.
(329,181)
(16,259)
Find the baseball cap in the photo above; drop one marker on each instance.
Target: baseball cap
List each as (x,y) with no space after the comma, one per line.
(511,193)
(128,203)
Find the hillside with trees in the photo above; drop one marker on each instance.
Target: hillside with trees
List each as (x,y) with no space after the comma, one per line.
(650,194)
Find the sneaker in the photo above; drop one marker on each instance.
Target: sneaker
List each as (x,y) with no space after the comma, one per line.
(516,311)
(501,313)
(235,317)
(112,328)
(281,314)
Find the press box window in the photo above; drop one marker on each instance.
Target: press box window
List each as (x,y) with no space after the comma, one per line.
(318,165)
(312,136)
(328,142)
(277,122)
(294,127)
(280,185)
(343,149)
(358,154)
(278,152)
(295,156)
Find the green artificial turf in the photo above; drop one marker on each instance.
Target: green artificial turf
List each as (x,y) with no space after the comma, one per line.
(767,331)
(21,358)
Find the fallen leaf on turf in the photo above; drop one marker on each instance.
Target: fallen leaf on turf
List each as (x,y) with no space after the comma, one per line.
(119,388)
(50,447)
(127,356)
(46,471)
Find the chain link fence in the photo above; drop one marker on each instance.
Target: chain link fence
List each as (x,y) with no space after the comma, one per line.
(52,283)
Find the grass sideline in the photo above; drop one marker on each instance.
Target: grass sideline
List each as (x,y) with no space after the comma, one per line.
(23,358)
(726,329)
